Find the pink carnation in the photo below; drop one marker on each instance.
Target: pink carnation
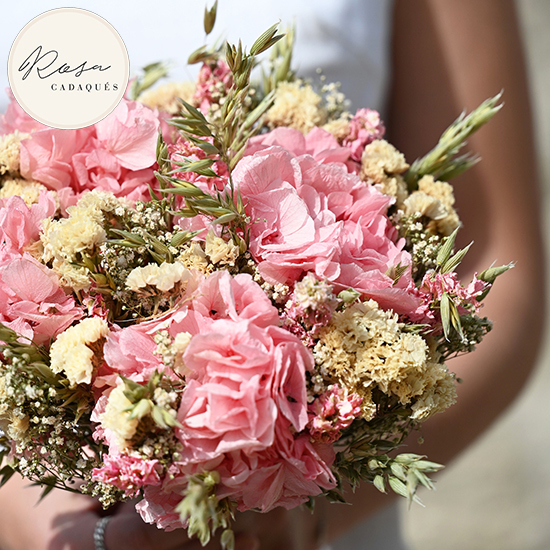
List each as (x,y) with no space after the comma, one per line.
(31,301)
(128,473)
(318,218)
(20,224)
(333,411)
(117,154)
(365,126)
(241,378)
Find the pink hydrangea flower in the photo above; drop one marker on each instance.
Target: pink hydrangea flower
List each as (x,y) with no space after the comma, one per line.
(117,154)
(333,411)
(318,143)
(15,118)
(365,126)
(318,218)
(128,473)
(31,300)
(20,224)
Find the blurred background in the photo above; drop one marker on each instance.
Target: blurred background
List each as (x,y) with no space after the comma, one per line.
(496,495)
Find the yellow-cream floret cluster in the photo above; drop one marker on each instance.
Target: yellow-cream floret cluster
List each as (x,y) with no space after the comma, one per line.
(64,240)
(434,199)
(117,418)
(163,277)
(166,97)
(297,106)
(29,191)
(221,251)
(73,353)
(383,164)
(10,146)
(364,349)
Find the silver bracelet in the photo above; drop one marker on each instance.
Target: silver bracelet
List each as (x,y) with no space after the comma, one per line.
(99,532)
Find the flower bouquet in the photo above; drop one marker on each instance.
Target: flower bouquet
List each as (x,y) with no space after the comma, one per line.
(228,295)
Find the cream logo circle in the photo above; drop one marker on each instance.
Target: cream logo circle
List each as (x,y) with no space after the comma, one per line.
(68,68)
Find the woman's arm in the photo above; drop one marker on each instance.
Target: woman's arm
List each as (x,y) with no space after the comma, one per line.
(450,55)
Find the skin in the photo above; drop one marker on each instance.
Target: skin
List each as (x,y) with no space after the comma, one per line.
(448,55)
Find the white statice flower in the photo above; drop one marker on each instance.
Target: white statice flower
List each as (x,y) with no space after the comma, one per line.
(163,277)
(297,106)
(221,251)
(73,351)
(10,146)
(116,417)
(64,240)
(364,348)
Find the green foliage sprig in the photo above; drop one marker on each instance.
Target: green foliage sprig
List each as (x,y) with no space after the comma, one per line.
(441,162)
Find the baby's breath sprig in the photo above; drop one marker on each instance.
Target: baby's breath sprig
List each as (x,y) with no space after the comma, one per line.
(441,162)
(44,417)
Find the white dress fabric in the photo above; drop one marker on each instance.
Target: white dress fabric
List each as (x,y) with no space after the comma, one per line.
(348,39)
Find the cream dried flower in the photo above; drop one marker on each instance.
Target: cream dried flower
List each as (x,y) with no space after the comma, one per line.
(193,257)
(382,164)
(297,106)
(29,191)
(117,417)
(221,251)
(339,127)
(10,146)
(166,97)
(435,200)
(364,349)
(164,276)
(73,353)
(64,240)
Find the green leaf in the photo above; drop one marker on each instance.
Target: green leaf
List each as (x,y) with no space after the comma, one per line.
(379,483)
(210,18)
(264,41)
(445,311)
(446,248)
(452,263)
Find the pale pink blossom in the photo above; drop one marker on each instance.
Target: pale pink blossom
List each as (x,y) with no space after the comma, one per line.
(213,84)
(365,126)
(435,284)
(20,224)
(15,118)
(318,218)
(318,143)
(241,378)
(333,411)
(130,134)
(117,154)
(31,300)
(128,473)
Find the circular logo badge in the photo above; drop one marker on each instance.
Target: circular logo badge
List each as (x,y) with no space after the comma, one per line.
(68,68)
